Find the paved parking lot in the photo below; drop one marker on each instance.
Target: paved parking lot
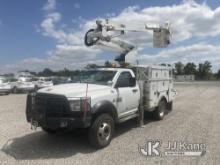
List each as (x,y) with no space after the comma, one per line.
(195,119)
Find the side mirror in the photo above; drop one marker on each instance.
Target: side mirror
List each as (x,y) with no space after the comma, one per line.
(109,83)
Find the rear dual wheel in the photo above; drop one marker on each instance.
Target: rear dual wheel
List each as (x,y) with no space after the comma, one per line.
(161,110)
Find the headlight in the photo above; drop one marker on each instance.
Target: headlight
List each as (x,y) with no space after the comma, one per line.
(80,104)
(75,105)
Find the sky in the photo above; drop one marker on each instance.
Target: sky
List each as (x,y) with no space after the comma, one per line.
(38,34)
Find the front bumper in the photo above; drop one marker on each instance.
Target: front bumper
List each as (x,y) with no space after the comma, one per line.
(69,123)
(53,111)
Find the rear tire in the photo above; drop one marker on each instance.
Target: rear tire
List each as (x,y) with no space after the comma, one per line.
(101,131)
(160,111)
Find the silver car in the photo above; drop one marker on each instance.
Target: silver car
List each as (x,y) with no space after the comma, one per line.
(5,86)
(24,84)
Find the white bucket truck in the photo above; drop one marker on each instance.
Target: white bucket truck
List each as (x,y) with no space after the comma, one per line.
(105,96)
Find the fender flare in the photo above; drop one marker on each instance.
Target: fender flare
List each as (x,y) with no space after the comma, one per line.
(162,97)
(105,106)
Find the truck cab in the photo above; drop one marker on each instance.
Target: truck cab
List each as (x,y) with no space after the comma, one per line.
(102,98)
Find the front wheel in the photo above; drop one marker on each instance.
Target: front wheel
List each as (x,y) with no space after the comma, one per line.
(101,131)
(160,111)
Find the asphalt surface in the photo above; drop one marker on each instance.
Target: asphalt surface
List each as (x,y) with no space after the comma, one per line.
(195,119)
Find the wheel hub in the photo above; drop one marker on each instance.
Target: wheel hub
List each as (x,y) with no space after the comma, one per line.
(104,131)
(161,113)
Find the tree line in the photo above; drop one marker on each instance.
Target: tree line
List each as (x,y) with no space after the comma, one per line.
(66,72)
(202,71)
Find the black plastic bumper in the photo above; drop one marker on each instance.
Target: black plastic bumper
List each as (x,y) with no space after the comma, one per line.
(53,111)
(69,123)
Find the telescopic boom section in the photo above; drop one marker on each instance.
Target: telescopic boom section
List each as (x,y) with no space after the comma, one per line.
(104,33)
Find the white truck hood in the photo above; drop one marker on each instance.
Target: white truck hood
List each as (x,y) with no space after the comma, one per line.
(75,89)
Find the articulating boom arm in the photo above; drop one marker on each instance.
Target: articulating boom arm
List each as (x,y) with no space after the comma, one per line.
(104,33)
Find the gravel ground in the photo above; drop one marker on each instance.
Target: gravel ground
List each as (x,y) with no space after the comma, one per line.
(195,119)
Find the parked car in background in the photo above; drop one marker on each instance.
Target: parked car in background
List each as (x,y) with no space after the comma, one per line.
(5,86)
(24,84)
(61,80)
(43,82)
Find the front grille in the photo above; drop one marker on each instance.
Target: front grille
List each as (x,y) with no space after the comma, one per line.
(51,105)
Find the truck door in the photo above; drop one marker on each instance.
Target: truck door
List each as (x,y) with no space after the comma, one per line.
(128,94)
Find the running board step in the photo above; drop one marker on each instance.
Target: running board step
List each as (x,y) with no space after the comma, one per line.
(127,117)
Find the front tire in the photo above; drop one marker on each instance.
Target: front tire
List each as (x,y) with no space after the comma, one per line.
(101,131)
(160,111)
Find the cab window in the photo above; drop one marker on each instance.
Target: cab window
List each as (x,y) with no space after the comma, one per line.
(125,80)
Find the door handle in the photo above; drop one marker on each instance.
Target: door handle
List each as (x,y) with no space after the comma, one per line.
(134,90)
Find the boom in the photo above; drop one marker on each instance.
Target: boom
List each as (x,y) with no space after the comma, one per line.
(105,33)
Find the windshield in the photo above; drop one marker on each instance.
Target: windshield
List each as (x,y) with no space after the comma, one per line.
(97,77)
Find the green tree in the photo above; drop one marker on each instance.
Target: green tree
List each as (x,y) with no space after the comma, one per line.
(108,64)
(91,66)
(190,68)
(218,74)
(179,68)
(46,72)
(164,64)
(204,71)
